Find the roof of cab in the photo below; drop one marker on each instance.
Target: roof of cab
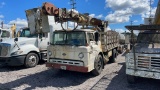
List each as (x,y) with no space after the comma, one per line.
(5,29)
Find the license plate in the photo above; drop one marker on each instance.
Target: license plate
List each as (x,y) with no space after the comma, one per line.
(63,67)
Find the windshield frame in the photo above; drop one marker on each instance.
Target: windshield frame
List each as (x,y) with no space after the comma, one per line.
(66,36)
(6,32)
(148,37)
(22,33)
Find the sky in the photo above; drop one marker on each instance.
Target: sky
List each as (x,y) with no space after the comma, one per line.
(117,12)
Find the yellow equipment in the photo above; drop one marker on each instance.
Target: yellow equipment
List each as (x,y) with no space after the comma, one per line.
(13,28)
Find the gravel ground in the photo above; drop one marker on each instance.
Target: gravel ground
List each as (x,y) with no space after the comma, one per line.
(41,78)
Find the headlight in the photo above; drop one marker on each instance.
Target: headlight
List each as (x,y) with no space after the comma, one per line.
(130,64)
(16,53)
(49,53)
(81,55)
(131,60)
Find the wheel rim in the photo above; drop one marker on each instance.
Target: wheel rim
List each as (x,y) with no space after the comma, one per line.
(99,65)
(32,60)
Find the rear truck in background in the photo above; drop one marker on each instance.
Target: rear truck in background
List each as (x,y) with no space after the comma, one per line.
(86,49)
(144,58)
(121,43)
(27,49)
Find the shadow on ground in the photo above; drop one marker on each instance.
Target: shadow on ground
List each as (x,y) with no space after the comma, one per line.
(51,78)
(119,82)
(5,68)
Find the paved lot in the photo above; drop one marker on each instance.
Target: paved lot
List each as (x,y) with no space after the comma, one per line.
(41,78)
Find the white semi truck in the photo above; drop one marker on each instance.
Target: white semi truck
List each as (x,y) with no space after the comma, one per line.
(27,49)
(85,49)
(144,58)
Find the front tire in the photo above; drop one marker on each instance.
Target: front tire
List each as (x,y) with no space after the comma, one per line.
(31,60)
(98,65)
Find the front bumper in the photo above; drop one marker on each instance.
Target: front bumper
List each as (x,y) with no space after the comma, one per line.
(12,61)
(141,73)
(67,67)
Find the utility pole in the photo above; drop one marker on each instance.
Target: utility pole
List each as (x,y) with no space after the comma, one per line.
(150,11)
(73,3)
(131,22)
(2,24)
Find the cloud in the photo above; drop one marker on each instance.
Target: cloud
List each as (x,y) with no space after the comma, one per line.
(118,4)
(2,4)
(99,16)
(74,10)
(92,15)
(1,16)
(124,9)
(119,16)
(147,14)
(72,24)
(19,23)
(119,30)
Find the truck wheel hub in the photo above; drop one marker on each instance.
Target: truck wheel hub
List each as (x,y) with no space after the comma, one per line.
(32,59)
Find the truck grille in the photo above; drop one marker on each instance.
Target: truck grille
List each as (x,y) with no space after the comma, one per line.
(4,50)
(148,62)
(67,62)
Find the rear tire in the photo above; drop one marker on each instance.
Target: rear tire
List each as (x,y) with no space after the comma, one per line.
(98,65)
(31,60)
(113,57)
(131,79)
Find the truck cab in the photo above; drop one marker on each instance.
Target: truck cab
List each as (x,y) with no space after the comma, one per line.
(82,50)
(27,49)
(144,58)
(74,50)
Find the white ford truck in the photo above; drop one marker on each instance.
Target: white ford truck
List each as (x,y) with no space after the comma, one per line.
(85,49)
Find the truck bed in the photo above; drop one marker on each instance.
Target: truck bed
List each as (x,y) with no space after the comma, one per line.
(109,40)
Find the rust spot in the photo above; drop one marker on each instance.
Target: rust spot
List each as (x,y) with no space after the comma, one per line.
(50,8)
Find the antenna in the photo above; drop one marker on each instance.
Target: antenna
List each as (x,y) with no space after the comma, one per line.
(73,2)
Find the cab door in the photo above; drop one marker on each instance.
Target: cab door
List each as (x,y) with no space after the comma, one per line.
(92,46)
(43,40)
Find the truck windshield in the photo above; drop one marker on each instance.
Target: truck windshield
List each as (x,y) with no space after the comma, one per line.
(26,33)
(148,38)
(5,34)
(69,38)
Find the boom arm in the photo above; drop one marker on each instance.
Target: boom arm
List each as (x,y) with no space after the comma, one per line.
(38,18)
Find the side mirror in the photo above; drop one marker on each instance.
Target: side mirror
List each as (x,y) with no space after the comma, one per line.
(48,43)
(96,36)
(16,39)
